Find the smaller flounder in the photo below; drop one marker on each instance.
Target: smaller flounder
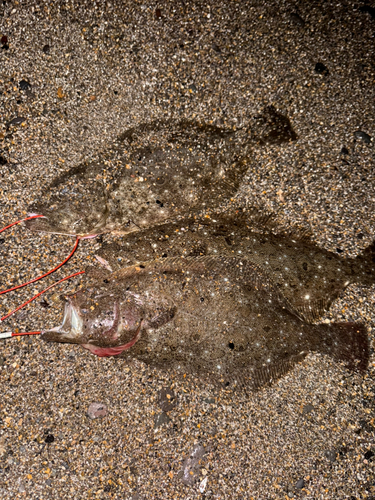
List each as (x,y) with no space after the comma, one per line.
(153,173)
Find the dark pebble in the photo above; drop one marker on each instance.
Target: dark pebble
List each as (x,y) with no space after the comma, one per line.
(49,438)
(3,160)
(359,134)
(209,401)
(158,13)
(297,19)
(365,426)
(25,85)
(44,304)
(48,482)
(300,484)
(167,399)
(16,121)
(330,455)
(193,88)
(4,42)
(369,454)
(321,69)
(307,409)
(368,10)
(161,419)
(46,49)
(344,151)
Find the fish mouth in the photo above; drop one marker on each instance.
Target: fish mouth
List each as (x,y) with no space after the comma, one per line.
(69,331)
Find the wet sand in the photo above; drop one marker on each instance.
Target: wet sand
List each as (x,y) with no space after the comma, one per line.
(78,75)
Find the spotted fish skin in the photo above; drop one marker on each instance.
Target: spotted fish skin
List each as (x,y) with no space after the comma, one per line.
(153,173)
(217,318)
(309,277)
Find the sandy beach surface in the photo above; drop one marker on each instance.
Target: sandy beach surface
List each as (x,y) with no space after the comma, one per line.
(73,76)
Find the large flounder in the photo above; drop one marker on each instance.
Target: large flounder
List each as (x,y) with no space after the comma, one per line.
(218,318)
(308,276)
(153,173)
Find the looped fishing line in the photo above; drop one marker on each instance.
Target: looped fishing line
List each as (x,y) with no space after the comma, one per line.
(13,334)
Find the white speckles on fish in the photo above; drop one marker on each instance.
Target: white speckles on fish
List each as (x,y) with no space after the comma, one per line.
(309,277)
(153,173)
(216,317)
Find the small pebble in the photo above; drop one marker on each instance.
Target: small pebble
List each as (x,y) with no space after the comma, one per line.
(300,484)
(46,49)
(167,399)
(307,409)
(192,465)
(368,10)
(209,400)
(24,85)
(49,438)
(4,42)
(97,410)
(330,455)
(321,69)
(359,134)
(16,121)
(297,19)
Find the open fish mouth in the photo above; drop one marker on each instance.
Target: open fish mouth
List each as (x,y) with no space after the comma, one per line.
(69,331)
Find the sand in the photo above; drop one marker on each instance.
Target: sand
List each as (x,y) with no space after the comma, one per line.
(95,69)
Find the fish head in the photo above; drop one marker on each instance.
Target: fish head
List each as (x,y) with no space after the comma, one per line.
(72,206)
(96,319)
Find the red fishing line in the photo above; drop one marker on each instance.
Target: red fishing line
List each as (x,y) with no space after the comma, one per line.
(39,294)
(5,335)
(46,274)
(8,335)
(22,220)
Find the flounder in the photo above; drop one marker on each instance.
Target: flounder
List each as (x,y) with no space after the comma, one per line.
(219,318)
(308,276)
(153,173)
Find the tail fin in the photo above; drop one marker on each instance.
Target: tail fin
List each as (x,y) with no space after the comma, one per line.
(363,266)
(349,344)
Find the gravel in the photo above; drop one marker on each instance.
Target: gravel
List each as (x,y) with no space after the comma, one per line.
(73,76)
